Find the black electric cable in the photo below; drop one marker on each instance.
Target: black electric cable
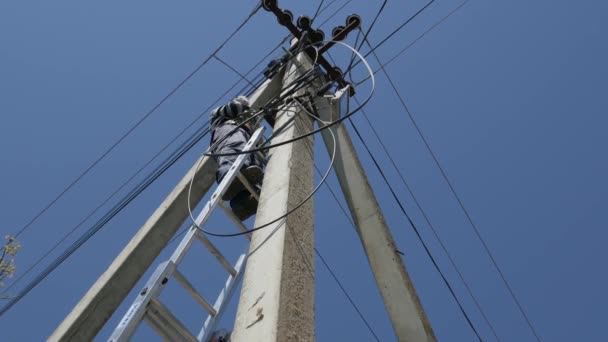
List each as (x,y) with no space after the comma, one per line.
(325,263)
(294,86)
(369,30)
(136,125)
(333,275)
(417,232)
(233,70)
(315,131)
(102,222)
(428,222)
(394,32)
(458,199)
(326,126)
(271,222)
(44,256)
(56,264)
(318,10)
(335,12)
(88,216)
(89,234)
(407,47)
(371,27)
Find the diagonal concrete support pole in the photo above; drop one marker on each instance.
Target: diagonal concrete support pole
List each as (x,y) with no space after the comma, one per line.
(108,292)
(402,304)
(277,298)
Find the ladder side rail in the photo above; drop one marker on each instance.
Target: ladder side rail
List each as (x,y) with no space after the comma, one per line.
(223,299)
(130,321)
(204,215)
(126,328)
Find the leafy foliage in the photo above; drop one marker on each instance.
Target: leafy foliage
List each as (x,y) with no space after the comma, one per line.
(7,259)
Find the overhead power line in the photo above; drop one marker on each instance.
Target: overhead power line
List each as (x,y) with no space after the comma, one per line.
(335,12)
(135,126)
(205,111)
(175,138)
(393,33)
(318,10)
(407,47)
(403,181)
(160,170)
(417,232)
(428,222)
(233,70)
(325,263)
(453,190)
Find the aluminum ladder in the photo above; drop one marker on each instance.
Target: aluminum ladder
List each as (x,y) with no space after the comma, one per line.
(147,306)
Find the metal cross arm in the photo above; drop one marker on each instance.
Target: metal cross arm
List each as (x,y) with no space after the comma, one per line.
(304,30)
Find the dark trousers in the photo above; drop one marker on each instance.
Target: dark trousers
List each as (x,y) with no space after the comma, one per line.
(233,143)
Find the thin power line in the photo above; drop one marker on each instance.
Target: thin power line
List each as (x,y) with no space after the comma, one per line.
(233,70)
(181,133)
(318,10)
(143,185)
(417,232)
(88,216)
(407,47)
(428,222)
(352,303)
(390,35)
(371,26)
(98,226)
(243,77)
(327,266)
(335,12)
(135,126)
(458,199)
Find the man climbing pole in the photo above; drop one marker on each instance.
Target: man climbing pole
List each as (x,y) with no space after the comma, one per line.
(229,134)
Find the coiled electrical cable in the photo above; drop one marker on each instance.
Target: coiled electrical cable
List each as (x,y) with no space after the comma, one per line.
(326,125)
(335,122)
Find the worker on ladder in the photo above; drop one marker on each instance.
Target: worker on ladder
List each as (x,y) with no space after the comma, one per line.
(230,131)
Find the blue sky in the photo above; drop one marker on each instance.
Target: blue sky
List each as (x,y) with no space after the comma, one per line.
(510,95)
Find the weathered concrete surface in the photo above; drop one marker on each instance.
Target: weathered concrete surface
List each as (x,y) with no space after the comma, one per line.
(404,308)
(277,298)
(108,292)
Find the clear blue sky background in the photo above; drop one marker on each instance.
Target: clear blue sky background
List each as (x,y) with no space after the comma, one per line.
(510,94)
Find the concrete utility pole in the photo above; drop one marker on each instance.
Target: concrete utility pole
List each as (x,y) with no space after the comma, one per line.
(404,308)
(104,297)
(277,297)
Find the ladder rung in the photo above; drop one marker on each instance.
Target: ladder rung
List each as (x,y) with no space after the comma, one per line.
(262,157)
(166,315)
(235,220)
(221,301)
(162,326)
(186,284)
(248,186)
(216,253)
(154,323)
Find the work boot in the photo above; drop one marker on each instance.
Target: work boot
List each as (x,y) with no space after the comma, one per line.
(233,189)
(244,205)
(254,174)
